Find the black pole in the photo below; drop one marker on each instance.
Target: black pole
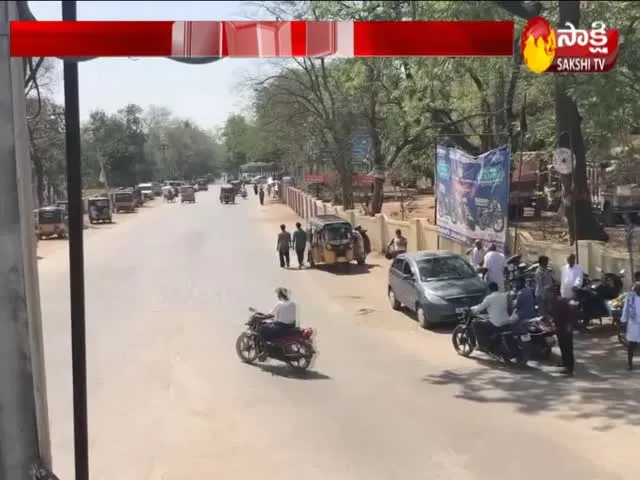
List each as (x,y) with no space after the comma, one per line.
(435,190)
(76,257)
(521,147)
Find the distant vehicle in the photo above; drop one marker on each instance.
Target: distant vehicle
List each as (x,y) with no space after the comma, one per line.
(52,222)
(187,194)
(157,189)
(202,184)
(227,194)
(124,201)
(176,184)
(437,285)
(146,189)
(99,210)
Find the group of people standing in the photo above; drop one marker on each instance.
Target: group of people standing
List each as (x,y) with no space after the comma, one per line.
(552,299)
(272,191)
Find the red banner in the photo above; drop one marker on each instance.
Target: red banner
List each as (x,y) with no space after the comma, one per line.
(260,39)
(433,39)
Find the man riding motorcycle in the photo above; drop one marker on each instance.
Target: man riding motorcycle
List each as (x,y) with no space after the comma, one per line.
(525,304)
(496,305)
(283,318)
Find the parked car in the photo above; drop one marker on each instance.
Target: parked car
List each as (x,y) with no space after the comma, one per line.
(437,285)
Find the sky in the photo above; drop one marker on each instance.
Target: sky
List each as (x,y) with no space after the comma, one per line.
(206,94)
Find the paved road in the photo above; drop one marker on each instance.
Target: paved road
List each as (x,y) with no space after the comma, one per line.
(167,295)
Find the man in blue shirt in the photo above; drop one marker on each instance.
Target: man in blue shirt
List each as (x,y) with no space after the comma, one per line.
(525,307)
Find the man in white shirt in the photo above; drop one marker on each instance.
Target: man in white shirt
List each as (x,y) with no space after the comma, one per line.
(496,305)
(494,262)
(571,277)
(283,317)
(477,254)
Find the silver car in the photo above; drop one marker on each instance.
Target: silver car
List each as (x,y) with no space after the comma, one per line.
(436,285)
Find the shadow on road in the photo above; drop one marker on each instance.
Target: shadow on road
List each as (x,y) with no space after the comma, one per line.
(285,371)
(347,269)
(601,391)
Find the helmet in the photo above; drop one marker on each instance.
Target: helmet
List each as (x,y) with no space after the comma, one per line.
(282,293)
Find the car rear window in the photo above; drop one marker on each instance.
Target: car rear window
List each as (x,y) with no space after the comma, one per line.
(444,268)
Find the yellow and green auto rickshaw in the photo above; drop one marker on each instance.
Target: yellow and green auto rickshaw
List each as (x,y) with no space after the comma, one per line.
(227,194)
(52,222)
(331,240)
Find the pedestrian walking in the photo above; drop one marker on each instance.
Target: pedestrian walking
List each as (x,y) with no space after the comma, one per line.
(495,261)
(283,246)
(544,285)
(631,317)
(300,244)
(261,196)
(562,314)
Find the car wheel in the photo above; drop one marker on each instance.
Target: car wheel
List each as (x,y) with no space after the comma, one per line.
(421,315)
(395,304)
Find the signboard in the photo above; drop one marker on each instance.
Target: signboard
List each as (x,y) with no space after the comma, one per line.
(360,147)
(472,195)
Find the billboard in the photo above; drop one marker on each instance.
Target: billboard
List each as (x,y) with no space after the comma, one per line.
(472,194)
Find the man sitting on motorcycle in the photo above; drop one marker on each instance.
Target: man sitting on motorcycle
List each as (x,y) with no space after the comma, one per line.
(496,305)
(283,317)
(525,307)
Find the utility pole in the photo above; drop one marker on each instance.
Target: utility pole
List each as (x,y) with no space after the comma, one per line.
(24,434)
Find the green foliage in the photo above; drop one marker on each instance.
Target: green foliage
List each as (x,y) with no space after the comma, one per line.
(308,110)
(129,147)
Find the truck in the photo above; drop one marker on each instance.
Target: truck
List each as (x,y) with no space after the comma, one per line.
(533,185)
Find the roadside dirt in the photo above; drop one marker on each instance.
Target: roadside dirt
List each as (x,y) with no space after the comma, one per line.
(549,228)
(49,246)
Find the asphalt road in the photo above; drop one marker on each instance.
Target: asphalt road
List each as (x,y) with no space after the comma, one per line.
(167,295)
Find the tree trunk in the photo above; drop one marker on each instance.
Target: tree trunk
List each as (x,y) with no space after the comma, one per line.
(583,224)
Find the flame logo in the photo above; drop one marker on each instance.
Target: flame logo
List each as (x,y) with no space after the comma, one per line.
(538,45)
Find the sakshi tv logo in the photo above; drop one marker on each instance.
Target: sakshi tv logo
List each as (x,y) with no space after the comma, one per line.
(570,50)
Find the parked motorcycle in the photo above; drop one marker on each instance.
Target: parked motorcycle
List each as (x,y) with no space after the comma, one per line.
(543,337)
(508,345)
(592,298)
(296,350)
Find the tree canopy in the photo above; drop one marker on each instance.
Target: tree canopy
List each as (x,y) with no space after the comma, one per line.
(309,110)
(124,148)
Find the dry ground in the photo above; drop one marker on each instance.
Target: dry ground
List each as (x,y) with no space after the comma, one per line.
(549,228)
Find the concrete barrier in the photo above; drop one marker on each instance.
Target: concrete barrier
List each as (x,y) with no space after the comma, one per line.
(422,235)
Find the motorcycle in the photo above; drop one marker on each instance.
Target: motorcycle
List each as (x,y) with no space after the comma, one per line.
(591,300)
(243,194)
(542,333)
(296,350)
(508,344)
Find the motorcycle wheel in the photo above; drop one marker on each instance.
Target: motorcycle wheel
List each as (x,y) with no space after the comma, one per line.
(299,355)
(462,340)
(497,217)
(247,348)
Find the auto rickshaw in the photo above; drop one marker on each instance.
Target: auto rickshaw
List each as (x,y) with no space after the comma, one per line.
(52,222)
(237,185)
(331,240)
(187,194)
(124,201)
(99,210)
(227,194)
(63,204)
(202,184)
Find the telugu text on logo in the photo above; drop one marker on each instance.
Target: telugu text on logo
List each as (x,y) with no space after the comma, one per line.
(569,49)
